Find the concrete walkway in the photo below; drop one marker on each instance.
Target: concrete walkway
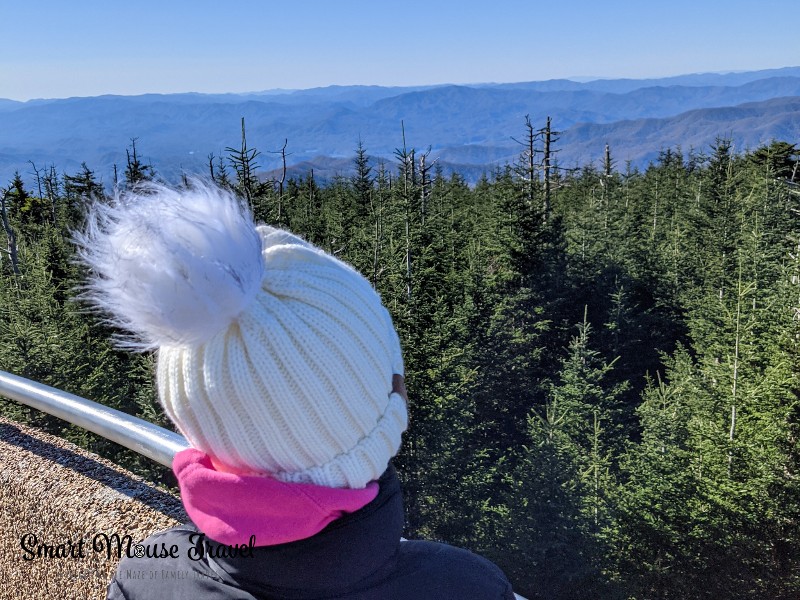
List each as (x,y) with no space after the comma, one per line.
(55,498)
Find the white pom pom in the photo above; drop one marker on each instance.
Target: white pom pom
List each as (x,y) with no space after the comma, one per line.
(172,266)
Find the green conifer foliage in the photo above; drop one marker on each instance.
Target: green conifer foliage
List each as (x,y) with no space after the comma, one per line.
(603,384)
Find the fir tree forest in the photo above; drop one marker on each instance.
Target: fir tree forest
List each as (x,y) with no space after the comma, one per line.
(602,361)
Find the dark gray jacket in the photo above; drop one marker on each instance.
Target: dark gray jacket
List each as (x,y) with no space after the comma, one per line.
(357,557)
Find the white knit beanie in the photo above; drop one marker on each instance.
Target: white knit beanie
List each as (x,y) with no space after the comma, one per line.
(273,356)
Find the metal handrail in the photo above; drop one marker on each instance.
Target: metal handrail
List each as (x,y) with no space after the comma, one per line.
(149,440)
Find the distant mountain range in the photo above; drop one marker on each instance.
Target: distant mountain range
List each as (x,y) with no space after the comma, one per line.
(469,128)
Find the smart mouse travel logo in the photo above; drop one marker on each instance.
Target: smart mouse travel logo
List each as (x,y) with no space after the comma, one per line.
(116,547)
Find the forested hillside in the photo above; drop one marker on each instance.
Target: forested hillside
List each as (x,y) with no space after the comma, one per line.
(602,363)
(469,127)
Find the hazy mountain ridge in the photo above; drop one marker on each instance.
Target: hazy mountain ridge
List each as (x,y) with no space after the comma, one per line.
(469,128)
(640,140)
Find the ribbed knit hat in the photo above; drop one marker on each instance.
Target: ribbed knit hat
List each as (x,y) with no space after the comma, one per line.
(273,356)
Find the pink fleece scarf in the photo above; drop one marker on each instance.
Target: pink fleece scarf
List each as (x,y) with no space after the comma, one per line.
(229,508)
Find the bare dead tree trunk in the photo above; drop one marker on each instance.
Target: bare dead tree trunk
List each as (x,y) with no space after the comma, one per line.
(546,166)
(529,166)
(38,177)
(605,183)
(655,214)
(425,183)
(11,237)
(211,167)
(531,153)
(50,180)
(283,179)
(423,192)
(51,189)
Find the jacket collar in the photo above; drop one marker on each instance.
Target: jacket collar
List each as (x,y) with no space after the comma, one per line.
(356,550)
(230,508)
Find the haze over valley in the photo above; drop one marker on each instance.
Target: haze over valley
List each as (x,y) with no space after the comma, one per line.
(469,128)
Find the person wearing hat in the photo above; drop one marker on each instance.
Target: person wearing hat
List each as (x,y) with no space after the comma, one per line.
(282,368)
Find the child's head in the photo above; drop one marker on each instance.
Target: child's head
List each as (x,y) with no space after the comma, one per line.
(273,356)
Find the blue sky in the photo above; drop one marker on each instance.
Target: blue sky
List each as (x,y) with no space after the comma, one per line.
(55,48)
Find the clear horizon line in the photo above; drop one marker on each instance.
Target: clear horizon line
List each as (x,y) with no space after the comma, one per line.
(283,91)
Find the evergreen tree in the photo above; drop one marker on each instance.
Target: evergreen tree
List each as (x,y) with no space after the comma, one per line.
(135,170)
